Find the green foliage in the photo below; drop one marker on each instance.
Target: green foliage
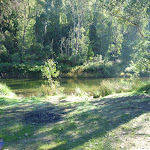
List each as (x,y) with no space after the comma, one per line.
(140,62)
(108,87)
(5,90)
(90,53)
(98,67)
(9,70)
(47,90)
(3,53)
(144,88)
(49,71)
(79,92)
(92,33)
(64,64)
(73,32)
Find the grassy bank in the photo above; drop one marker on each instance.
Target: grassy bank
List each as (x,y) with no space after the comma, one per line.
(108,87)
(77,123)
(5,91)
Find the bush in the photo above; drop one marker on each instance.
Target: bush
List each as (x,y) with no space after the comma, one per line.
(96,94)
(49,72)
(64,64)
(144,88)
(9,70)
(98,69)
(5,91)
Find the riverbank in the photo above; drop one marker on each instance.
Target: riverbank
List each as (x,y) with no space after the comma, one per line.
(71,122)
(91,86)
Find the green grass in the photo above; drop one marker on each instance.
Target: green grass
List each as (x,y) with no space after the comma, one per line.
(85,124)
(145,88)
(5,90)
(108,87)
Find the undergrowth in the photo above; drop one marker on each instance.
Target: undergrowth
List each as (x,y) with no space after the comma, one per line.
(108,87)
(144,88)
(94,69)
(5,90)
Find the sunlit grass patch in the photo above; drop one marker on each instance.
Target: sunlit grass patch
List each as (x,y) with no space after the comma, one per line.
(84,124)
(108,87)
(51,145)
(15,132)
(133,134)
(5,91)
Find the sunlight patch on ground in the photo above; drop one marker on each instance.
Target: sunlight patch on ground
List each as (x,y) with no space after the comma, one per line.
(108,123)
(134,135)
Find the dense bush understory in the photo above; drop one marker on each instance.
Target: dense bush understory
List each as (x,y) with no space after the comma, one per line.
(90,69)
(95,69)
(9,70)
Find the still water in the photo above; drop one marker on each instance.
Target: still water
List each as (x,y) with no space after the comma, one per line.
(28,87)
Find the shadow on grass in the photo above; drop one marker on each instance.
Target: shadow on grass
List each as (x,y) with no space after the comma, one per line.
(67,126)
(108,114)
(21,118)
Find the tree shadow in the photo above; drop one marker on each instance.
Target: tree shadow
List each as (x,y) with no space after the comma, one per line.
(20,119)
(108,115)
(69,125)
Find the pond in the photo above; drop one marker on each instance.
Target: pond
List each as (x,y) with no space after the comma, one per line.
(28,87)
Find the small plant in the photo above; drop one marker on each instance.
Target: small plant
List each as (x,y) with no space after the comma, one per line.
(105,88)
(5,90)
(96,94)
(49,72)
(78,92)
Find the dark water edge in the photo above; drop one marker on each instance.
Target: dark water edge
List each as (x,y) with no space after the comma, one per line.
(28,87)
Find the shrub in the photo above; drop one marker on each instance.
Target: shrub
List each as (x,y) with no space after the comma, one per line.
(144,88)
(99,69)
(5,90)
(64,64)
(48,90)
(16,70)
(96,94)
(78,92)
(49,72)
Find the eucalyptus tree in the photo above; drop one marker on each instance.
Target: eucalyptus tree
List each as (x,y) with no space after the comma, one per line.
(29,10)
(81,12)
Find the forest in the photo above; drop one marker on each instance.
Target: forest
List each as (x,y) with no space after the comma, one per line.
(93,38)
(94,56)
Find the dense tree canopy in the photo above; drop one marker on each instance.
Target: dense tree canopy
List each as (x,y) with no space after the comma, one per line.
(73,32)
